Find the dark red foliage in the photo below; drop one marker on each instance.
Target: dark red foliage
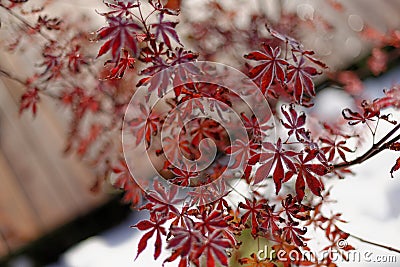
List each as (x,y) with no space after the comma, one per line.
(213,249)
(280,157)
(294,122)
(121,33)
(144,36)
(29,100)
(300,75)
(292,233)
(121,66)
(183,242)
(53,66)
(271,66)
(48,23)
(308,172)
(165,30)
(183,177)
(155,226)
(354,117)
(270,220)
(146,126)
(119,8)
(295,210)
(76,60)
(253,209)
(332,146)
(124,181)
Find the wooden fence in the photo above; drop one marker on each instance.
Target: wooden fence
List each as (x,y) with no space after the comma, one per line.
(40,188)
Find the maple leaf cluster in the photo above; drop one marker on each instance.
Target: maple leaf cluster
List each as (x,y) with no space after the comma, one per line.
(91,77)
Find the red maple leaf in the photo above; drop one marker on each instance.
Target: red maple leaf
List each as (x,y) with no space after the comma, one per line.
(301,77)
(166,29)
(183,177)
(270,220)
(119,8)
(292,233)
(253,209)
(162,200)
(124,63)
(278,156)
(76,60)
(210,221)
(354,117)
(53,66)
(295,122)
(294,209)
(204,128)
(272,66)
(120,33)
(145,126)
(214,248)
(29,100)
(333,146)
(256,127)
(155,226)
(183,242)
(306,172)
(173,147)
(243,151)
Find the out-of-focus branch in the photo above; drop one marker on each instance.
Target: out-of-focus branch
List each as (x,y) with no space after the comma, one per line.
(11,77)
(375,244)
(26,23)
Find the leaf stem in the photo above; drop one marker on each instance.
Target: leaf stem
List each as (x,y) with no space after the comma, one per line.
(143,20)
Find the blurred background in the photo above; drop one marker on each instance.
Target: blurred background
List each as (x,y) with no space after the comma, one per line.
(49,216)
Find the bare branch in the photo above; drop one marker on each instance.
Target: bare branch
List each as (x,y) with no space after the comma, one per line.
(375,244)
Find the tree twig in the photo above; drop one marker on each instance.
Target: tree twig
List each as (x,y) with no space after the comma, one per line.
(374,150)
(26,23)
(11,77)
(375,244)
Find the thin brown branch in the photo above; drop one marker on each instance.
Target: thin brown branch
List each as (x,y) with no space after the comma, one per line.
(11,77)
(375,244)
(26,23)
(374,150)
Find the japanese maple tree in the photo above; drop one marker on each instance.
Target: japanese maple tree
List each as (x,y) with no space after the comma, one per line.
(286,157)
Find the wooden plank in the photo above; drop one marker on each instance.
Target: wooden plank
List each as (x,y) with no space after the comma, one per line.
(76,175)
(39,139)
(19,224)
(3,246)
(49,144)
(25,159)
(49,127)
